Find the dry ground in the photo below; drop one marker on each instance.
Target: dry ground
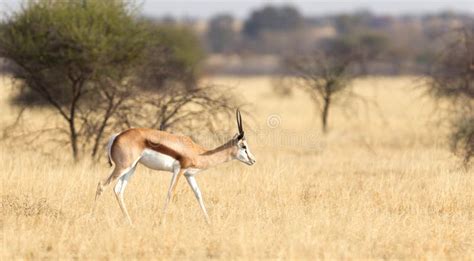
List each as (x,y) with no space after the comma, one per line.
(381,185)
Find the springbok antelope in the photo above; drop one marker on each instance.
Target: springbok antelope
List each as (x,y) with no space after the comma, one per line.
(178,154)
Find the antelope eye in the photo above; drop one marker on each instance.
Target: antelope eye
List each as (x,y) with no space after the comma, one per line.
(244,147)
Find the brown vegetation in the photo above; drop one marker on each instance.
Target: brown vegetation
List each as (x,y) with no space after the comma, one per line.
(382,188)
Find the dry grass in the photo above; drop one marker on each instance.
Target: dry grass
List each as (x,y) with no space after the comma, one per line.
(381,185)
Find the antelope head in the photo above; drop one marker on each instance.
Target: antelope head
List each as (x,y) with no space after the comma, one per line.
(242,150)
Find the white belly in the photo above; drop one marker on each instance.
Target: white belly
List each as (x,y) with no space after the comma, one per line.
(157,161)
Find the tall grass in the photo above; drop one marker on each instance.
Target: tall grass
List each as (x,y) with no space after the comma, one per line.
(382,184)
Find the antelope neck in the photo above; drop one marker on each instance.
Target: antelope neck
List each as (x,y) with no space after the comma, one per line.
(216,156)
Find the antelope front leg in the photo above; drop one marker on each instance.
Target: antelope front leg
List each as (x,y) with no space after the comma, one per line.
(197,192)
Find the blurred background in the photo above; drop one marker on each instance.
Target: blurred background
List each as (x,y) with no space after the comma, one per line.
(360,115)
(107,65)
(252,37)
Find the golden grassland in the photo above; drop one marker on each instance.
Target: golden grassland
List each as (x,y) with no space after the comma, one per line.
(381,184)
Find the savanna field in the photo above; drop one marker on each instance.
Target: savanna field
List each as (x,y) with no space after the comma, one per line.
(382,184)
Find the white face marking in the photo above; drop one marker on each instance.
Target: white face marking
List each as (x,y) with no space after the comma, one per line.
(244,154)
(157,161)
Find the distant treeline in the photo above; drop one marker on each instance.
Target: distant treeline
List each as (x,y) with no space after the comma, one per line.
(405,44)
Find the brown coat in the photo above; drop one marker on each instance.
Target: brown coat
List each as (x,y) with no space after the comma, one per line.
(129,145)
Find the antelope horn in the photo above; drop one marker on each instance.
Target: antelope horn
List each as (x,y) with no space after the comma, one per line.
(239,124)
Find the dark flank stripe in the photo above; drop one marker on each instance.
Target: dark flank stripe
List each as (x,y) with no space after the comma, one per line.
(160,148)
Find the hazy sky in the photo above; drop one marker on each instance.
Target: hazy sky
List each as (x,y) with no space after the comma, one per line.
(207,8)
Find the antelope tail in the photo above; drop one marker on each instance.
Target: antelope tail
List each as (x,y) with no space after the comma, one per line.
(109,147)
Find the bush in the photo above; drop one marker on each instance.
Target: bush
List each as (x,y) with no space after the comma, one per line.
(452,78)
(89,60)
(173,54)
(462,137)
